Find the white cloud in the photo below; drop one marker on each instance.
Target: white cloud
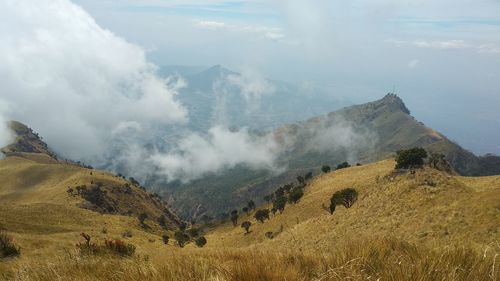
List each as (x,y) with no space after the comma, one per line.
(75,82)
(443,45)
(222,149)
(413,63)
(272,33)
(5,133)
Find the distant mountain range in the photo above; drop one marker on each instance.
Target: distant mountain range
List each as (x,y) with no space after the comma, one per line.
(219,96)
(361,133)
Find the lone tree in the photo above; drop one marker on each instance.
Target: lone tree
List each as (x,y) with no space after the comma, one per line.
(182,238)
(234,217)
(279,203)
(261,215)
(246,225)
(251,205)
(345,197)
(165,238)
(301,179)
(295,195)
(343,165)
(411,158)
(200,241)
(326,169)
(245,209)
(142,217)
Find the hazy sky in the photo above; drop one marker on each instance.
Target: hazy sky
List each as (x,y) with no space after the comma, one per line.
(442,57)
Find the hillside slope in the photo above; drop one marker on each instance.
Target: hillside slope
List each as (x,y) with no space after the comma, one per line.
(361,133)
(423,226)
(428,207)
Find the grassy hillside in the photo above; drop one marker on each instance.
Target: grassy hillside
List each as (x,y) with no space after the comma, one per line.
(423,226)
(361,133)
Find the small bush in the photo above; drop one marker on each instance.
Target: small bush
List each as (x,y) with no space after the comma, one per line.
(410,158)
(246,225)
(142,217)
(279,203)
(127,233)
(7,247)
(120,247)
(343,165)
(182,238)
(234,217)
(261,215)
(345,197)
(200,241)
(251,205)
(295,194)
(326,169)
(165,238)
(269,235)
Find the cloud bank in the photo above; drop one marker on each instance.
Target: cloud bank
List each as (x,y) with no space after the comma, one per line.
(75,82)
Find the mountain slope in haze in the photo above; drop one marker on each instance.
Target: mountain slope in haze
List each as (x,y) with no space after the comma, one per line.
(34,180)
(361,133)
(219,96)
(426,225)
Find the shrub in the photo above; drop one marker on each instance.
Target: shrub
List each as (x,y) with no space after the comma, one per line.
(343,165)
(182,238)
(295,195)
(438,161)
(127,233)
(345,197)
(87,247)
(301,179)
(261,215)
(268,198)
(234,217)
(162,221)
(308,176)
(410,158)
(326,169)
(251,205)
(246,225)
(279,203)
(194,232)
(269,235)
(142,217)
(245,209)
(7,247)
(165,238)
(201,241)
(120,247)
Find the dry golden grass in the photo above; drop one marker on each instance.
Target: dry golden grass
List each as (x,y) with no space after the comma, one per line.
(426,226)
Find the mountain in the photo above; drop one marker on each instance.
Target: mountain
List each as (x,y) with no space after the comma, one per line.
(219,96)
(427,225)
(37,184)
(361,133)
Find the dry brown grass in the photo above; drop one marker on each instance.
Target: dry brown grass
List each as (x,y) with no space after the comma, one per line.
(385,259)
(447,231)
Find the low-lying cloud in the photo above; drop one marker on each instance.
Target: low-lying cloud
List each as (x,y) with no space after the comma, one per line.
(196,156)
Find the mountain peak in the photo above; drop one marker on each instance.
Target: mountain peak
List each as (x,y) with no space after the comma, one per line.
(393,101)
(27,141)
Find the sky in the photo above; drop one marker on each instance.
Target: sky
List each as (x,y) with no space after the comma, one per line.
(84,73)
(441,57)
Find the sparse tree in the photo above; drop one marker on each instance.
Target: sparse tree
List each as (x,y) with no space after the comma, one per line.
(142,217)
(301,179)
(162,221)
(295,195)
(345,197)
(343,165)
(246,225)
(261,215)
(165,238)
(279,203)
(251,205)
(410,158)
(182,238)
(234,217)
(200,241)
(326,169)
